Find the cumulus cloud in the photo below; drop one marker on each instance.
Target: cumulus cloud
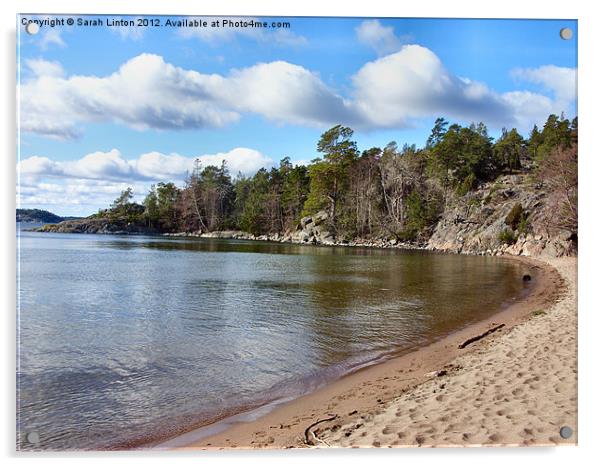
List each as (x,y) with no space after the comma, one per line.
(97,178)
(390,92)
(286,93)
(413,83)
(144,93)
(151,166)
(561,81)
(73,196)
(381,38)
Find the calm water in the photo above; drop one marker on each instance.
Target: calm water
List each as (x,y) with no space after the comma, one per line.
(127,340)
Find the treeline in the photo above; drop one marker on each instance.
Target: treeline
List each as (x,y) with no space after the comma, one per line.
(392,191)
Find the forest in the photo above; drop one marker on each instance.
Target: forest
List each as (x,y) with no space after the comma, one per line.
(394,192)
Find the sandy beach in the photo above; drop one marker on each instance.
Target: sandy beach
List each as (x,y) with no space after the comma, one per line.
(517,385)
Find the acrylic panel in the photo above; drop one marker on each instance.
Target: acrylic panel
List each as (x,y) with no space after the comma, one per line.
(295,232)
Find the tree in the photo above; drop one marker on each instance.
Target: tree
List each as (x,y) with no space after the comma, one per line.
(167,196)
(212,196)
(462,158)
(556,133)
(328,177)
(192,207)
(437,132)
(362,201)
(559,174)
(509,149)
(254,213)
(535,140)
(123,208)
(151,207)
(294,191)
(123,201)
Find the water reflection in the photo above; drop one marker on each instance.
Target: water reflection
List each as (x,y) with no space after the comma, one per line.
(128,339)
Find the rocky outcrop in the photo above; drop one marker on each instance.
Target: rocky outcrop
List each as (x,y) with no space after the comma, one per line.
(97,226)
(476,222)
(313,229)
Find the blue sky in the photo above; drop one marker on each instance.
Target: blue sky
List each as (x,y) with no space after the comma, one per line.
(103,108)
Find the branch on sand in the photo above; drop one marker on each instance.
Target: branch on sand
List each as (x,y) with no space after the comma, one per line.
(310,437)
(481,336)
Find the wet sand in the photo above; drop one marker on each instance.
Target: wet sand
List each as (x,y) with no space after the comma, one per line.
(514,386)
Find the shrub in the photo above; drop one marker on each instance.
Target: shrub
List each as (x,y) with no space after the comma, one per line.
(515,216)
(507,236)
(467,185)
(407,235)
(523,226)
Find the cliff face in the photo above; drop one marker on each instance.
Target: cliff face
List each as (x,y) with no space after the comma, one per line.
(475,223)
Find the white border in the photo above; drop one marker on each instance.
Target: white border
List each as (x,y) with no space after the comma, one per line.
(589,178)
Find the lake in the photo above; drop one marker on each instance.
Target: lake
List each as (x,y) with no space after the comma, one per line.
(124,341)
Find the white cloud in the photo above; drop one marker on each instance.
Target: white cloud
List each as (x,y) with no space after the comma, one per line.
(414,83)
(531,108)
(74,196)
(561,81)
(49,37)
(381,38)
(144,93)
(151,166)
(389,92)
(41,67)
(96,179)
(285,93)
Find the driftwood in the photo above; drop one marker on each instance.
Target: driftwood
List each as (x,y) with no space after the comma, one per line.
(482,335)
(310,437)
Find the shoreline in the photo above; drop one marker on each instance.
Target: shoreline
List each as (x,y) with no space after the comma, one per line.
(363,393)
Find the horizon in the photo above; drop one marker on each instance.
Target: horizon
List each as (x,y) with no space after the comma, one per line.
(163,97)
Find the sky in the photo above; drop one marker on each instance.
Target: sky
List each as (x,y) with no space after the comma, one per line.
(107,106)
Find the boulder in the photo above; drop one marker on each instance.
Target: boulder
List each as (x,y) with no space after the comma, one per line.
(320,217)
(305,221)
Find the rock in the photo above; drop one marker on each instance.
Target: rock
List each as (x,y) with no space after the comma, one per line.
(305,221)
(320,217)
(478,229)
